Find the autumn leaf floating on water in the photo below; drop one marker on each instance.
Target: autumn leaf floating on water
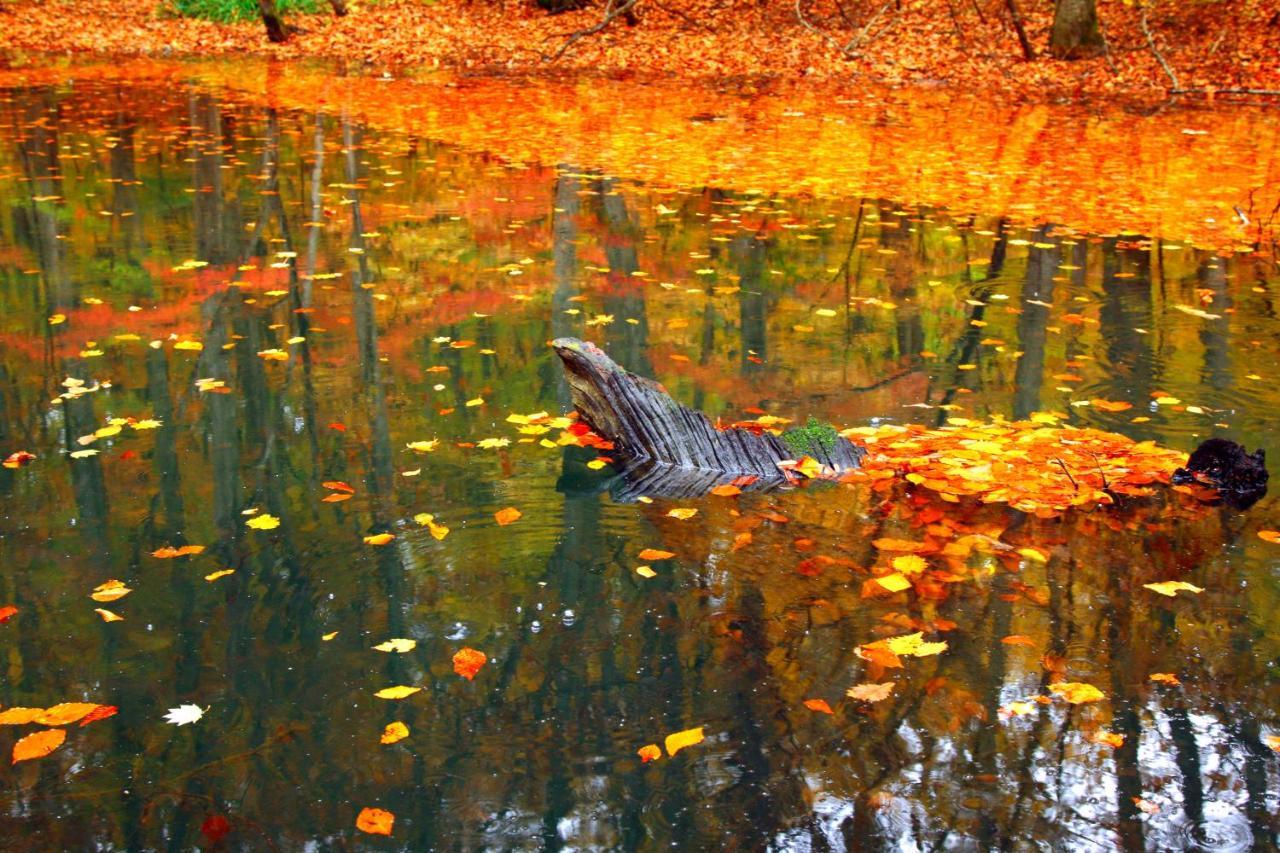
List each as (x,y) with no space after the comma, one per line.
(1077,693)
(38,744)
(400,691)
(507,516)
(682,513)
(168,552)
(7,612)
(111,590)
(375,821)
(427,520)
(649,752)
(1165,678)
(17,459)
(870,692)
(819,705)
(184,714)
(1171,588)
(399,644)
(655,554)
(394,732)
(681,740)
(263,522)
(379,538)
(467,662)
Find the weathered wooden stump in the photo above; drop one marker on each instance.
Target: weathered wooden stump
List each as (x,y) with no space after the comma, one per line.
(664,448)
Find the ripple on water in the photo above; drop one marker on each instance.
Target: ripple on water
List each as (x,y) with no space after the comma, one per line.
(1223,830)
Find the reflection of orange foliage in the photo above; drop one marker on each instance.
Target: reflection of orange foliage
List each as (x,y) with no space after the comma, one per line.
(1097,171)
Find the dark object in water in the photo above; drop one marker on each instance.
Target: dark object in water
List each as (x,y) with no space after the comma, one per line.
(1239,477)
(664,448)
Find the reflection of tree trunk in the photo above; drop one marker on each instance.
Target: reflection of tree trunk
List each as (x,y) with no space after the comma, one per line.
(87,481)
(753,302)
(1215,334)
(317,213)
(1126,307)
(165,456)
(381,470)
(36,224)
(214,230)
(1042,266)
(628,342)
(564,253)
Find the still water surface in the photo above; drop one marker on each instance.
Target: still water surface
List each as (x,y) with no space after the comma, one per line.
(355,289)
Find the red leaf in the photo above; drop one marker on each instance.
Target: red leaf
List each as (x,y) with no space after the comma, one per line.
(215,827)
(99,713)
(7,612)
(467,662)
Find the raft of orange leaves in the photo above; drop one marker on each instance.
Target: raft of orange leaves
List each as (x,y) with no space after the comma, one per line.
(1035,466)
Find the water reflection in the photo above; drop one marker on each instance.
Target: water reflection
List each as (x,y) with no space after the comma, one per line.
(353,291)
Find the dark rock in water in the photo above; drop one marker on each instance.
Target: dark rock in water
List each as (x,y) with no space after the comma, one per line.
(1239,477)
(664,448)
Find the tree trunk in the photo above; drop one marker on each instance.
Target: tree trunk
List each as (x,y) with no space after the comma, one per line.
(1076,34)
(273,22)
(339,7)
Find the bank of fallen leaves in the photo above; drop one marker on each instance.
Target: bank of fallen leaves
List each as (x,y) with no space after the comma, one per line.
(1210,45)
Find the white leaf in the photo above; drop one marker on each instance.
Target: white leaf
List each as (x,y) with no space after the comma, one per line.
(184,714)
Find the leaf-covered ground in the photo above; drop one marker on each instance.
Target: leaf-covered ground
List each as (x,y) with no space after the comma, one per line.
(1208,46)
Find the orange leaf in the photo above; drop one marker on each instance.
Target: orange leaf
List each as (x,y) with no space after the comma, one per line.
(169,552)
(393,732)
(336,497)
(818,705)
(1165,678)
(19,716)
(379,538)
(467,662)
(899,545)
(655,554)
(727,490)
(38,744)
(1269,535)
(338,486)
(1018,640)
(375,821)
(7,612)
(649,752)
(870,692)
(67,712)
(507,516)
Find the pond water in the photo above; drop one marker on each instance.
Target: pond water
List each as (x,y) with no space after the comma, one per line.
(252,304)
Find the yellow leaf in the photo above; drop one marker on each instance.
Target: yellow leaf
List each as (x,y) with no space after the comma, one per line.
(679,740)
(394,732)
(913,644)
(1077,693)
(329,636)
(221,573)
(107,615)
(894,582)
(423,446)
(379,538)
(1170,588)
(649,752)
(909,564)
(195,346)
(427,520)
(400,691)
(38,744)
(263,522)
(645,572)
(1108,738)
(109,591)
(682,513)
(397,645)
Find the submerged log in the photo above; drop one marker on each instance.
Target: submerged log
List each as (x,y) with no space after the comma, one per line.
(664,448)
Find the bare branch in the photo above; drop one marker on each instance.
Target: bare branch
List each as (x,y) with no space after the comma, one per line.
(1151,43)
(612,13)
